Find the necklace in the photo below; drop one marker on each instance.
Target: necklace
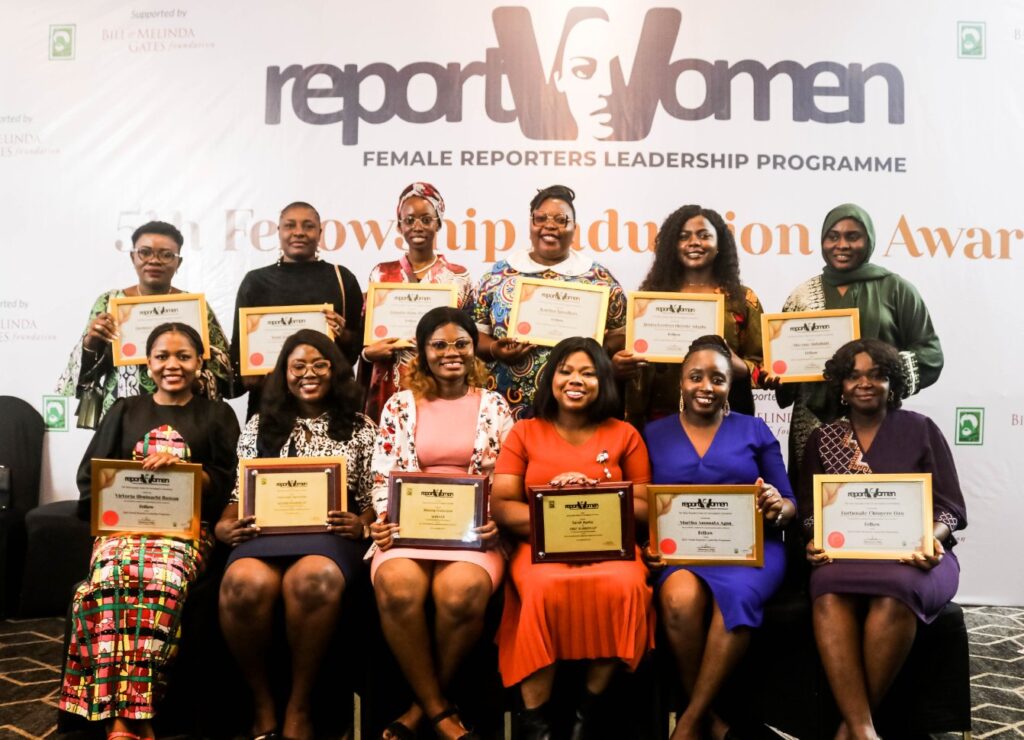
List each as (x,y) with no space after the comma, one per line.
(425,267)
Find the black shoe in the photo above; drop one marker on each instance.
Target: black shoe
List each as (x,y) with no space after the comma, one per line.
(533,724)
(587,724)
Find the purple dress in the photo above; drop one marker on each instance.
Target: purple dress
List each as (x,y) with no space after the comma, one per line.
(742,451)
(906,442)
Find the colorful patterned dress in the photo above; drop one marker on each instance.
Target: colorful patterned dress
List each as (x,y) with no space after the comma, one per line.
(517,383)
(126,616)
(387,377)
(215,379)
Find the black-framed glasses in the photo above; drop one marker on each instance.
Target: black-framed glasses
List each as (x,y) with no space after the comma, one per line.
(163,256)
(462,344)
(320,368)
(560,219)
(425,219)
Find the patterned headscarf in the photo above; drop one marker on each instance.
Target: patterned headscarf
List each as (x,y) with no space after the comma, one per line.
(426,191)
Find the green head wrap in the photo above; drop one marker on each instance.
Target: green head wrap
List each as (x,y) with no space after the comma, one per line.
(864,271)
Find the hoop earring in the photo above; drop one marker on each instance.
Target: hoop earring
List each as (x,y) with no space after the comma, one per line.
(843,401)
(892,396)
(725,409)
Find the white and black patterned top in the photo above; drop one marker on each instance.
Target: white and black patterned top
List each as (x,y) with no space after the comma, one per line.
(309,439)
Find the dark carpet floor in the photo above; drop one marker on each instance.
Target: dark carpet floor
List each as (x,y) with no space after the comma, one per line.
(30,657)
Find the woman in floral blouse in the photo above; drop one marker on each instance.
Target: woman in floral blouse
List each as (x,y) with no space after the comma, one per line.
(309,409)
(445,424)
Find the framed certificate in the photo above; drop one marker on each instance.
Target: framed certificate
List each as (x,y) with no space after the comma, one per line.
(263,331)
(660,326)
(706,525)
(137,316)
(129,500)
(437,511)
(873,517)
(797,344)
(545,312)
(582,523)
(288,495)
(394,309)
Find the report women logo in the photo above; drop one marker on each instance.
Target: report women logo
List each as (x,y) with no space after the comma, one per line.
(584,93)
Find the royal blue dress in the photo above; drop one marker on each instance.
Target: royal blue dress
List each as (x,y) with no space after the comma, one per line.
(743,450)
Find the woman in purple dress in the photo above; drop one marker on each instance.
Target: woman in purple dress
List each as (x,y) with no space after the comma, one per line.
(708,612)
(866,612)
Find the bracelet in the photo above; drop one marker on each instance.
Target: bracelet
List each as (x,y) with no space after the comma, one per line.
(364,358)
(779,524)
(90,351)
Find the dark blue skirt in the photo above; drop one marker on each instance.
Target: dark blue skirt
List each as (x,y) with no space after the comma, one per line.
(347,554)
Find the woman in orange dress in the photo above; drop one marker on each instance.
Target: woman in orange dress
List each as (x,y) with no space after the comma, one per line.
(598,612)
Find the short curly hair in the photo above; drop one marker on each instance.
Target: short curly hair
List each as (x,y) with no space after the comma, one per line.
(885,357)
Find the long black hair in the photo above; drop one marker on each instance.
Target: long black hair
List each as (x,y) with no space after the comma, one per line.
(606,405)
(667,271)
(279,408)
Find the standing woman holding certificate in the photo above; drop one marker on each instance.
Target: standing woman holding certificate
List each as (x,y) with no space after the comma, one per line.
(420,216)
(890,309)
(126,614)
(709,611)
(599,612)
(866,612)
(300,277)
(309,409)
(516,366)
(90,373)
(446,423)
(695,252)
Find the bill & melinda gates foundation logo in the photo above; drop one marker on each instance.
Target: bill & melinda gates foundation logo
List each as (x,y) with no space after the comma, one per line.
(584,94)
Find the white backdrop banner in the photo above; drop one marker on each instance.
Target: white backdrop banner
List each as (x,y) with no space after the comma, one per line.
(215,115)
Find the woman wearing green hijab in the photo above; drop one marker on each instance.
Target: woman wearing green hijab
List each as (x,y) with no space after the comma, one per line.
(891,309)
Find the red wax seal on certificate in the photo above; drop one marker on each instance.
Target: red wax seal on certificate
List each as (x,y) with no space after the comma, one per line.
(129,349)
(256,359)
(836,540)
(380,331)
(110,518)
(640,345)
(779,367)
(523,327)
(667,546)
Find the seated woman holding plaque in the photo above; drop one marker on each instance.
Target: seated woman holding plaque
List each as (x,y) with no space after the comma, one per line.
(695,252)
(446,424)
(709,611)
(866,612)
(890,309)
(516,364)
(91,375)
(420,216)
(309,409)
(598,611)
(126,614)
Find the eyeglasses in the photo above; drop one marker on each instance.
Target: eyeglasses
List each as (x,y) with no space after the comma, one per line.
(320,368)
(461,344)
(560,219)
(425,219)
(163,256)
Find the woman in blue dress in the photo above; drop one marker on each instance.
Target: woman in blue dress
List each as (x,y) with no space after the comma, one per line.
(709,611)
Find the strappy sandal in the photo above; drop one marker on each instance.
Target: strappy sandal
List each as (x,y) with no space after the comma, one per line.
(451,712)
(398,731)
